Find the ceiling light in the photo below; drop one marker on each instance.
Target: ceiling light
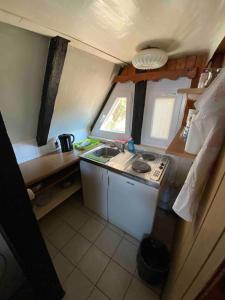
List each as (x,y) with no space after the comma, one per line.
(152,58)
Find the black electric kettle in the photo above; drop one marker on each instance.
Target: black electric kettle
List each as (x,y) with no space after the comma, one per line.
(66,142)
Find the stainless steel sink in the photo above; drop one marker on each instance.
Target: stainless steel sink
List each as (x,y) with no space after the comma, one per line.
(106,152)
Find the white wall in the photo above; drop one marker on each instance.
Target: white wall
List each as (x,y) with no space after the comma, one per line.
(83,86)
(84,83)
(22,67)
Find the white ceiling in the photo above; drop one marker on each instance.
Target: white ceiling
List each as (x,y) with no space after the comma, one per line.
(116,29)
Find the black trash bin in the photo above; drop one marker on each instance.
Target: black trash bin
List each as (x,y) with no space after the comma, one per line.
(153,261)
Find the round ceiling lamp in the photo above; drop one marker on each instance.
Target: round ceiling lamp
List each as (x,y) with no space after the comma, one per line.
(152,58)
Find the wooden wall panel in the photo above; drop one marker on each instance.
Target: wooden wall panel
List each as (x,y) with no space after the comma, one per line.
(188,233)
(209,234)
(201,63)
(188,66)
(181,63)
(191,61)
(208,270)
(171,65)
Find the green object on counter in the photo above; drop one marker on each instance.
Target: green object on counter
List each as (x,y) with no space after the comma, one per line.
(86,144)
(100,159)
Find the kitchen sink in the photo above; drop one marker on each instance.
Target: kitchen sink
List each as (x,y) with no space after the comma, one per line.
(106,152)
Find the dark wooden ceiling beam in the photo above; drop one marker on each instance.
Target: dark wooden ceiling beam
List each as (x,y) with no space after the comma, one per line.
(138,111)
(56,57)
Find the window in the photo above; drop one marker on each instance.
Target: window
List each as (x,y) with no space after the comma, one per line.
(163,111)
(163,107)
(115,121)
(116,117)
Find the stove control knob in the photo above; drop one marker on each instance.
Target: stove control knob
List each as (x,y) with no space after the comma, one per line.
(160,167)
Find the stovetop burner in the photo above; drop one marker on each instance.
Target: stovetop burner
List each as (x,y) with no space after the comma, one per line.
(140,166)
(148,157)
(148,166)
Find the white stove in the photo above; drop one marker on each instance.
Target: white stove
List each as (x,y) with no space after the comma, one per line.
(152,166)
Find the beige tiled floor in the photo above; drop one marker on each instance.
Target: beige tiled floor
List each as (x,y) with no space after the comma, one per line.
(76,248)
(125,255)
(93,264)
(108,241)
(93,259)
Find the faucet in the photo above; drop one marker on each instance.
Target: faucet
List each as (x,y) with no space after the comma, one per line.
(119,146)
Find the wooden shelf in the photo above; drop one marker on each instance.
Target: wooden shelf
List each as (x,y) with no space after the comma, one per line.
(57,195)
(193,91)
(177,147)
(57,178)
(40,168)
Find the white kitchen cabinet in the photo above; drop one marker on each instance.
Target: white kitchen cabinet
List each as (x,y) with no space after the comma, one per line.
(131,205)
(95,186)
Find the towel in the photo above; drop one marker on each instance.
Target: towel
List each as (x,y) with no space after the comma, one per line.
(100,159)
(86,144)
(210,124)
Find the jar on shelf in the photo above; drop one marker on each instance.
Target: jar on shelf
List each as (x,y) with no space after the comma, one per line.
(207,76)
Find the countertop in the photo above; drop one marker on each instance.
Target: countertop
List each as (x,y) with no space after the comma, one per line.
(120,164)
(42,167)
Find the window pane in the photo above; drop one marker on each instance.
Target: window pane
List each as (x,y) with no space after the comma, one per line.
(115,121)
(162,117)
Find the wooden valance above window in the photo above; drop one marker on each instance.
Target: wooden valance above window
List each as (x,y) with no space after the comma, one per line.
(188,66)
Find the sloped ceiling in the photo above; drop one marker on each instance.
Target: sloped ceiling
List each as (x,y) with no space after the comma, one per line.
(84,83)
(116,29)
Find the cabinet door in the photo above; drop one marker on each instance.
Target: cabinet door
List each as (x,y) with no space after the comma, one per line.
(131,205)
(95,185)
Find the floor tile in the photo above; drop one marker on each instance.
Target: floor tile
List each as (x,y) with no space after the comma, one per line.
(116,229)
(76,248)
(77,286)
(63,267)
(155,288)
(97,295)
(132,239)
(61,235)
(93,215)
(65,210)
(77,219)
(91,229)
(101,220)
(76,200)
(138,290)
(114,281)
(93,264)
(87,211)
(49,224)
(108,241)
(52,250)
(125,255)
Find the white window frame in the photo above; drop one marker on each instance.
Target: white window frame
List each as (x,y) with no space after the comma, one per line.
(121,90)
(164,88)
